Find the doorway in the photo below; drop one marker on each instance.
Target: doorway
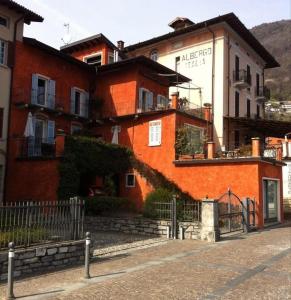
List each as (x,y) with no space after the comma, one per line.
(271,197)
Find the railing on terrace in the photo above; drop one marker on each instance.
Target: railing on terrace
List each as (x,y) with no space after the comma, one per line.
(186,211)
(262,92)
(29,223)
(192,109)
(37,147)
(242,77)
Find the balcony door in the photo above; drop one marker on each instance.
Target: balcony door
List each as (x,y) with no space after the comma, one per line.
(236,68)
(271,199)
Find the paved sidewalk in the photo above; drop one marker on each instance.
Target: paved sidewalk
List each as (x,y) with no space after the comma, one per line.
(254,266)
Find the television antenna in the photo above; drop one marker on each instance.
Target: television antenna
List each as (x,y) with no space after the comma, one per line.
(67,37)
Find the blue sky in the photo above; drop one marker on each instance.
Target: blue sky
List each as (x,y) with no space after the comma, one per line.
(136,20)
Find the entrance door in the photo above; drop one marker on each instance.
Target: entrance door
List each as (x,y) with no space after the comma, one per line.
(270,200)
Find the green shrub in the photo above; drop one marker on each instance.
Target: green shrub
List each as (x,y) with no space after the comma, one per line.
(107,205)
(158,195)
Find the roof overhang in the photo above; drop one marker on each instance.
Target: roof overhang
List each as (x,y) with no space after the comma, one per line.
(161,71)
(232,20)
(88,42)
(272,128)
(28,15)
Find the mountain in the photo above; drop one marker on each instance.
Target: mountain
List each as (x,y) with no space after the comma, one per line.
(276,38)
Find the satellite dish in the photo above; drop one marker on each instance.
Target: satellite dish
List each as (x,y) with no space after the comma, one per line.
(67,38)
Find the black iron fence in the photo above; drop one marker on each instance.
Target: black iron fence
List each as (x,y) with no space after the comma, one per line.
(29,223)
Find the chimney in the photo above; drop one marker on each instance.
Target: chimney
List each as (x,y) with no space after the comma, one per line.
(207,112)
(180,23)
(256,147)
(120,45)
(210,150)
(175,98)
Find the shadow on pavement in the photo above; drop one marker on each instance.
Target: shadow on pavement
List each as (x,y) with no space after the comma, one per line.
(39,294)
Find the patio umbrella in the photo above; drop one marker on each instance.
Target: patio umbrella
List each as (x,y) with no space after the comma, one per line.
(29,131)
(115,130)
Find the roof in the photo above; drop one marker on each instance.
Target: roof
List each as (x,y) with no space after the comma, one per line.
(272,128)
(29,16)
(161,69)
(232,20)
(84,43)
(53,51)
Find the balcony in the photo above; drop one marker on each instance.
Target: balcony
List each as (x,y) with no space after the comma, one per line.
(31,147)
(241,79)
(262,94)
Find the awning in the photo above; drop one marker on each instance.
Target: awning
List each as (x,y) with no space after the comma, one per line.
(272,128)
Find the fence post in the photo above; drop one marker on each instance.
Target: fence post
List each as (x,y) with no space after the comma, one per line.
(209,220)
(11,253)
(174,217)
(87,255)
(246,215)
(168,232)
(181,232)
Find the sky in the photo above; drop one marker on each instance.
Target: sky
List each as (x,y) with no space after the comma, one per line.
(135,20)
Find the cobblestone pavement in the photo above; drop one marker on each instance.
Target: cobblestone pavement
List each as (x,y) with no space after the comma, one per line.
(253,266)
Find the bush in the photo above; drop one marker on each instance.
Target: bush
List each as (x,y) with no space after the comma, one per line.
(158,195)
(107,205)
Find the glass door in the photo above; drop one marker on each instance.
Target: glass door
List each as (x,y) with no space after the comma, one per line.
(270,200)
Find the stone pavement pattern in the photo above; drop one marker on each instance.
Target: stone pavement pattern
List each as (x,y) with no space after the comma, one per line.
(254,266)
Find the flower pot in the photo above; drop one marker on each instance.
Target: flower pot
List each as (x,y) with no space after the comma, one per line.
(185,156)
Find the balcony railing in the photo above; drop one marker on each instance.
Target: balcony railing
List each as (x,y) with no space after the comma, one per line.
(241,79)
(262,93)
(37,147)
(192,109)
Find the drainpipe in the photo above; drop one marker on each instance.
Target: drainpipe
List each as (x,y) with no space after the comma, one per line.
(264,91)
(9,106)
(228,86)
(212,77)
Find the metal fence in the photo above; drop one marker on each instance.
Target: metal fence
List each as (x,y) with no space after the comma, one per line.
(29,223)
(186,211)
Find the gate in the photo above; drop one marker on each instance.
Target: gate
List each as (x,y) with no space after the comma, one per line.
(235,215)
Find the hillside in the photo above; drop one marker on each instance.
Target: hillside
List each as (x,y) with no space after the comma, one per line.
(276,37)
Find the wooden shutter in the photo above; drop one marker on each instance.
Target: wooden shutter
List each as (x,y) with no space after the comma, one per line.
(50,131)
(51,94)
(149,101)
(34,84)
(140,92)
(73,100)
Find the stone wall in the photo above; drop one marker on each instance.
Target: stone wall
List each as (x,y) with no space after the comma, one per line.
(43,258)
(139,225)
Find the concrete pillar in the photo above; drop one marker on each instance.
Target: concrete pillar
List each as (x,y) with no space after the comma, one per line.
(210,150)
(209,220)
(256,147)
(175,100)
(60,144)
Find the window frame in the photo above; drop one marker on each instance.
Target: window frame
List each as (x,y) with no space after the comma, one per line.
(110,56)
(75,125)
(46,80)
(202,132)
(83,94)
(155,142)
(85,58)
(5,52)
(7,21)
(126,180)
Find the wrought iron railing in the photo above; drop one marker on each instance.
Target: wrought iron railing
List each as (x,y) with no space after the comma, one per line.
(242,76)
(28,223)
(192,109)
(37,147)
(262,91)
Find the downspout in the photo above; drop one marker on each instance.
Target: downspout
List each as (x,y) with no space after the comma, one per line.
(264,91)
(228,86)
(9,106)
(212,79)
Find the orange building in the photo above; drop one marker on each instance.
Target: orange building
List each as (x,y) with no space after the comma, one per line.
(52,95)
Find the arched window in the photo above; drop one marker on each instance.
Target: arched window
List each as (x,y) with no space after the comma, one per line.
(154,55)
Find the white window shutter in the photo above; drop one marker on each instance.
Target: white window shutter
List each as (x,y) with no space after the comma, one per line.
(34,82)
(73,100)
(51,94)
(50,131)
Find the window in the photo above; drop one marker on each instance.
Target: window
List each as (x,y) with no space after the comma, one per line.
(257,84)
(154,55)
(1,121)
(258,111)
(177,64)
(194,137)
(76,128)
(145,101)
(79,102)
(236,139)
(155,133)
(3,21)
(3,52)
(94,59)
(111,58)
(249,78)
(43,91)
(162,102)
(236,67)
(248,108)
(129,180)
(236,107)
